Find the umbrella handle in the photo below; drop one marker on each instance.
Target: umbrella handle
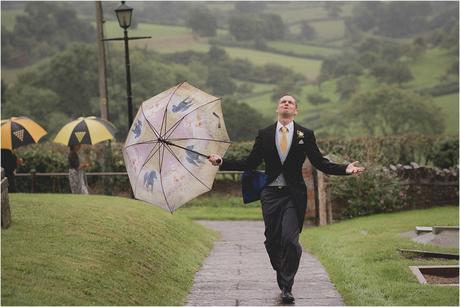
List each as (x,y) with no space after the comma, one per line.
(191,150)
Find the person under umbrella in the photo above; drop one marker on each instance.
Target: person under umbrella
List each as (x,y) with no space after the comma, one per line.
(10,162)
(17,132)
(77,176)
(84,130)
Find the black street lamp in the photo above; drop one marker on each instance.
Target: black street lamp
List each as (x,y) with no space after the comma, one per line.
(124,14)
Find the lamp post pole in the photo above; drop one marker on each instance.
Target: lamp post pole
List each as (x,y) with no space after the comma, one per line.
(128,81)
(124,14)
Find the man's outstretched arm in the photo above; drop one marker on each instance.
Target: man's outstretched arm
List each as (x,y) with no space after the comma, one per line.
(251,162)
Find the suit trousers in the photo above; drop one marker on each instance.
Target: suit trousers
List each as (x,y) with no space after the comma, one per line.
(281,234)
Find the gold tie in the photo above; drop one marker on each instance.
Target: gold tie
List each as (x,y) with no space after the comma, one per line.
(283,140)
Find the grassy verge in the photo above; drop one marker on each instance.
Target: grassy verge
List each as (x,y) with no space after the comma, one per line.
(215,206)
(362,260)
(97,250)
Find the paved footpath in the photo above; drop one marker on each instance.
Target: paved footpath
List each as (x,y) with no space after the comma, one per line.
(238,272)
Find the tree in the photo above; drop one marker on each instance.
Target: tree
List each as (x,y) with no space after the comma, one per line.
(415,49)
(388,110)
(67,87)
(243,27)
(217,55)
(287,85)
(202,22)
(272,26)
(248,27)
(307,31)
(317,99)
(334,9)
(346,86)
(45,29)
(220,82)
(391,73)
(36,103)
(241,120)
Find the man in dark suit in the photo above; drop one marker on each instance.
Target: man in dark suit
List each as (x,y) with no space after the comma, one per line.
(284,146)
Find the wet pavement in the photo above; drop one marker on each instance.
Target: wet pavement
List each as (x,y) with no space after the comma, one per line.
(238,272)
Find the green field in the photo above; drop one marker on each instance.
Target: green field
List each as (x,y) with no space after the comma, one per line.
(362,259)
(308,68)
(431,66)
(64,249)
(293,12)
(329,30)
(164,38)
(302,49)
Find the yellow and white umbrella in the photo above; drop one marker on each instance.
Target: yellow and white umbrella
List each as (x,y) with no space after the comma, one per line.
(20,131)
(85,130)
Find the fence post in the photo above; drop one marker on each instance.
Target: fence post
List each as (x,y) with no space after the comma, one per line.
(6,213)
(33,173)
(325,209)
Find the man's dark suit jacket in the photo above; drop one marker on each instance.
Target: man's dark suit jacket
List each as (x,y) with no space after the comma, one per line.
(303,144)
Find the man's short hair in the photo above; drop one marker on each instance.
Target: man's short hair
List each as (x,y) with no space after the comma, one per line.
(287,94)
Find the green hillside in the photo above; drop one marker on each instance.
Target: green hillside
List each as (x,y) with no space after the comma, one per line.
(293,51)
(97,250)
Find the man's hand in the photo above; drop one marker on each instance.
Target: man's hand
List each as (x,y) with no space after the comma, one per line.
(352,169)
(215,160)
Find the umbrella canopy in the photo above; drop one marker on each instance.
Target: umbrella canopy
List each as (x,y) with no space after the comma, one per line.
(164,150)
(85,130)
(20,131)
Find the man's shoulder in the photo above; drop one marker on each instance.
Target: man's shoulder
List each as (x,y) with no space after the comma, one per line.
(303,129)
(267,129)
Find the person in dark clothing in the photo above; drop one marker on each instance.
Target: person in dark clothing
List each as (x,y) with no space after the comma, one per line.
(284,146)
(77,176)
(10,163)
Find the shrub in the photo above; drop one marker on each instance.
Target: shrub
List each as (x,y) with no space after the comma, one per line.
(445,153)
(374,191)
(316,99)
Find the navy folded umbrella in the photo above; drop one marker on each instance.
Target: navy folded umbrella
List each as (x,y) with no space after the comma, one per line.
(252,184)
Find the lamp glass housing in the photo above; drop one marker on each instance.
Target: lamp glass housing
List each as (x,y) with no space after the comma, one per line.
(124,14)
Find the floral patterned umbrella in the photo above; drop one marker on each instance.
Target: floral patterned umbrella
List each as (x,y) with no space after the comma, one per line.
(166,149)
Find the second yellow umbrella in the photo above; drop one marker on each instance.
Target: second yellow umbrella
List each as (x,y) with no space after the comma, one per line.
(85,130)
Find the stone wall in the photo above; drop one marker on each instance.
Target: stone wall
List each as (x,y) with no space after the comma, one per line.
(428,187)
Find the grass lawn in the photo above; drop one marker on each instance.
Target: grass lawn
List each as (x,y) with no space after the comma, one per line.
(215,206)
(66,249)
(362,260)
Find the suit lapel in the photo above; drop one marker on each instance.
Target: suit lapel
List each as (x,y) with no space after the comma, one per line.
(271,143)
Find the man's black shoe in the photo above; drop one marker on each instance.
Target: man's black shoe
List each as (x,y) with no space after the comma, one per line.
(286,296)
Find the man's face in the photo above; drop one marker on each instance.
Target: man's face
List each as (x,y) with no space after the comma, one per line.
(287,106)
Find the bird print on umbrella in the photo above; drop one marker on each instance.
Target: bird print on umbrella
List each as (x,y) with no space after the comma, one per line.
(149,179)
(183,105)
(192,157)
(137,129)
